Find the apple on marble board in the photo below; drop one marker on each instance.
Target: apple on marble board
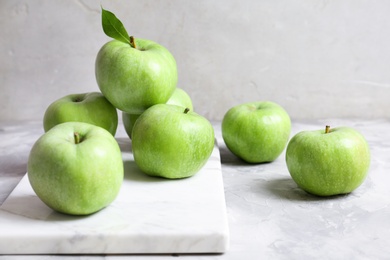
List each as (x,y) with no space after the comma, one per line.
(76,168)
(171,141)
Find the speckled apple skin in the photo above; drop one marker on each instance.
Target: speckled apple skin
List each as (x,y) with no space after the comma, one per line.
(133,79)
(76,179)
(92,108)
(179,98)
(169,143)
(327,164)
(256,132)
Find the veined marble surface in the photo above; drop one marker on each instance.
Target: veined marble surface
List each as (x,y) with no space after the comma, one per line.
(150,215)
(269,217)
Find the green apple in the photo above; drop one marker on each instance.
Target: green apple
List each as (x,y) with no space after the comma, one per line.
(171,142)
(135,78)
(256,132)
(129,121)
(330,162)
(91,108)
(179,98)
(76,168)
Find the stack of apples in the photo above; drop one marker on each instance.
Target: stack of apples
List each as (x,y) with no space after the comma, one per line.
(76,166)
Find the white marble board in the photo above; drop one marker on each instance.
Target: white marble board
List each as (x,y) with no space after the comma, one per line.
(150,216)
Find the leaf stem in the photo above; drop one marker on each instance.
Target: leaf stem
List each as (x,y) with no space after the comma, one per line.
(327,129)
(76,137)
(132,42)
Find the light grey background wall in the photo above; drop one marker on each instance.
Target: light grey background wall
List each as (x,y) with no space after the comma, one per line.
(318,59)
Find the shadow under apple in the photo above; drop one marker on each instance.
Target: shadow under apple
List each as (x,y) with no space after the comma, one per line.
(286,188)
(124,144)
(134,173)
(228,158)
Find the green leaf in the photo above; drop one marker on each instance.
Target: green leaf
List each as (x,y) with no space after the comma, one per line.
(113,27)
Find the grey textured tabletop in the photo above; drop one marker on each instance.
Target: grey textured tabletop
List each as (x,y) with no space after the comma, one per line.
(269,216)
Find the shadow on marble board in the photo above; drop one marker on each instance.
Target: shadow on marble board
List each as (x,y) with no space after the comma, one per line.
(30,206)
(134,173)
(131,170)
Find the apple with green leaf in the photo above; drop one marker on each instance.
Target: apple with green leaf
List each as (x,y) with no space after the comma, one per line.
(328,162)
(179,98)
(172,142)
(92,108)
(76,168)
(133,73)
(256,132)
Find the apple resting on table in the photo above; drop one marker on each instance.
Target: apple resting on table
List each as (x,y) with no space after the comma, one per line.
(92,108)
(179,98)
(256,132)
(76,168)
(330,162)
(172,142)
(133,73)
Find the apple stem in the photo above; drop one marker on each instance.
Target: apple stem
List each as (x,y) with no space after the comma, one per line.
(132,42)
(327,129)
(76,137)
(186,110)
